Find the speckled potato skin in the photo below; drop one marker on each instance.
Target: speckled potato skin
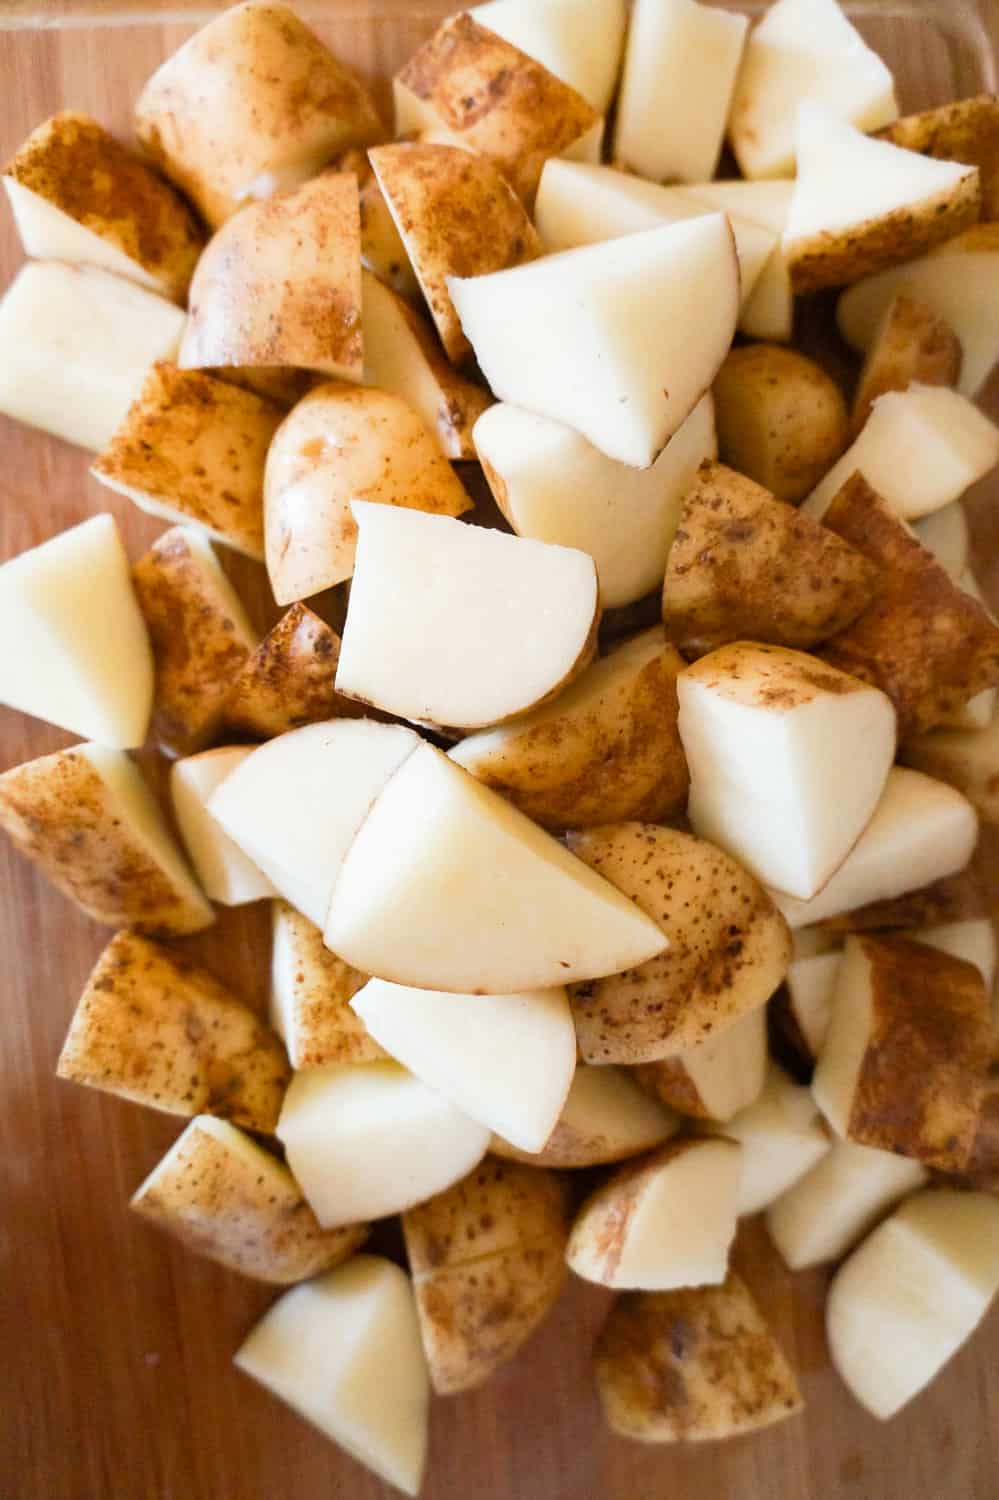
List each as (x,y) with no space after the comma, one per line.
(324,1028)
(288,681)
(79,168)
(730,947)
(691,1366)
(494,99)
(382,250)
(746,566)
(781,420)
(965,131)
(499,1206)
(59,812)
(954,898)
(253,98)
(982,1171)
(242,1209)
(922,640)
(280,284)
(457,216)
(198,444)
(153,1027)
(913,345)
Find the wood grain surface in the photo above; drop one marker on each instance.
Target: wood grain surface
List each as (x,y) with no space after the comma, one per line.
(116,1380)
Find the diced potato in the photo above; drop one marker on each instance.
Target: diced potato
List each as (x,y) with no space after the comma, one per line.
(606,1118)
(288,681)
(781,1136)
(966,130)
(913,346)
(966,758)
(225,873)
(718,1077)
(580,41)
(311,991)
(811,985)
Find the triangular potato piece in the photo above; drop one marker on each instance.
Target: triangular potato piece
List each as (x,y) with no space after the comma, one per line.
(606,1118)
(226,874)
(768,311)
(311,991)
(913,346)
(966,130)
(966,758)
(781,1136)
(580,41)
(287,682)
(718,1077)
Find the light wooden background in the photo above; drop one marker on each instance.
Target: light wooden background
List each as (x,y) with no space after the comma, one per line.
(115,1348)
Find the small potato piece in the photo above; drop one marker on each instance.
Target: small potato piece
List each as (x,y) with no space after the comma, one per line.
(226,873)
(499,1206)
(153,1027)
(953,898)
(746,566)
(606,1118)
(966,130)
(287,682)
(716,1079)
(982,1171)
(781,420)
(382,250)
(967,759)
(311,991)
(729,947)
(79,196)
(913,344)
(692,1365)
(223,1196)
(781,1137)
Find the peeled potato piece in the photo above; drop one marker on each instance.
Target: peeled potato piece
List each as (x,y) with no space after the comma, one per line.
(717,1078)
(226,874)
(811,985)
(606,1118)
(913,345)
(966,130)
(382,250)
(781,1138)
(287,682)
(967,759)
(580,41)
(311,991)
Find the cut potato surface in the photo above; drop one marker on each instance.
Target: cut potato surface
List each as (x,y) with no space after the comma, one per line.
(965,130)
(91,823)
(344,1351)
(606,1118)
(155,1028)
(438,851)
(628,335)
(580,41)
(432,598)
(912,346)
(225,873)
(287,682)
(717,1078)
(967,759)
(89,668)
(973,940)
(223,1196)
(945,534)
(311,991)
(691,1366)
(768,311)
(382,250)
(811,985)
(781,1138)
(76,344)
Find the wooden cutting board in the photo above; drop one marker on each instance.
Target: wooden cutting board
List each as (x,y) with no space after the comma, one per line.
(115,1347)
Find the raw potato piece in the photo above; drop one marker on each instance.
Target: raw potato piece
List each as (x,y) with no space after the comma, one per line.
(716,1079)
(745,566)
(468,87)
(966,130)
(438,853)
(580,41)
(92,825)
(913,346)
(768,312)
(781,420)
(965,758)
(955,898)
(340,444)
(902,1010)
(664,1221)
(296,803)
(199,631)
(90,666)
(974,941)
(252,104)
(368,1139)
(222,1195)
(905,1302)
(311,991)
(627,335)
(79,196)
(606,1118)
(499,1206)
(803,49)
(781,1138)
(155,1028)
(288,681)
(554,486)
(457,216)
(811,986)
(607,749)
(728,948)
(680,69)
(76,344)
(692,1366)
(787,758)
(431,599)
(223,869)
(192,448)
(344,1351)
(382,250)
(280,284)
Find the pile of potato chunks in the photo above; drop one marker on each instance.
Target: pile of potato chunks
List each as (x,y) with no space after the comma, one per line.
(552,886)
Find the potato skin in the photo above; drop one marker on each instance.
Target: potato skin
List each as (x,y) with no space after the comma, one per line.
(955,898)
(579,1140)
(288,681)
(495,1208)
(913,345)
(966,130)
(781,419)
(324,1029)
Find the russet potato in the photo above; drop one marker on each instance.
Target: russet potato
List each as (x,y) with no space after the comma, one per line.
(606,1118)
(580,41)
(287,682)
(913,345)
(967,759)
(716,1078)
(311,991)
(781,1136)
(225,873)
(966,130)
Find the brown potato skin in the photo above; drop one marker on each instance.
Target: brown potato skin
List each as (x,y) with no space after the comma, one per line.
(781,419)
(668,1081)
(982,1171)
(497,1207)
(746,566)
(965,759)
(923,641)
(288,681)
(692,1365)
(966,131)
(955,898)
(326,1029)
(913,344)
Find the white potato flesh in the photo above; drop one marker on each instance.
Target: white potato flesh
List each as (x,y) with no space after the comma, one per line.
(977,713)
(505,1060)
(364,1140)
(294,805)
(438,854)
(921,831)
(803,49)
(967,758)
(974,941)
(311,990)
(906,1300)
(345,1352)
(834,1205)
(945,533)
(811,983)
(787,760)
(606,1118)
(920,449)
(680,67)
(626,336)
(782,1137)
(580,41)
(76,344)
(434,601)
(49,234)
(554,486)
(728,1071)
(225,872)
(84,661)
(768,311)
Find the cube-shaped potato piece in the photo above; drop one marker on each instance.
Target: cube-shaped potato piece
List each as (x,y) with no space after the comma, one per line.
(311,991)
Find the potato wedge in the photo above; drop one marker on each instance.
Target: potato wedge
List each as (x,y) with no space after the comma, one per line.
(967,759)
(225,872)
(382,250)
(781,1136)
(728,950)
(716,1079)
(88,819)
(691,1366)
(580,41)
(966,130)
(155,1028)
(913,345)
(746,566)
(606,1118)
(311,991)
(287,682)
(223,1196)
